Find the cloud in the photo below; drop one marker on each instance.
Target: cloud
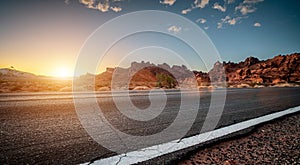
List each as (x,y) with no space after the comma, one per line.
(167,2)
(116,9)
(206,27)
(201,20)
(197,4)
(103,6)
(201,3)
(174,29)
(247,6)
(257,24)
(245,9)
(186,11)
(232,21)
(228,20)
(239,9)
(219,7)
(88,3)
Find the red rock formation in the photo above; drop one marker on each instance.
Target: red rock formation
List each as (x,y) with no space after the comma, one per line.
(251,72)
(144,74)
(280,69)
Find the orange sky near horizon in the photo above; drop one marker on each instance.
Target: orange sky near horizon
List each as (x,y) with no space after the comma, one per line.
(45,37)
(43,42)
(40,61)
(47,43)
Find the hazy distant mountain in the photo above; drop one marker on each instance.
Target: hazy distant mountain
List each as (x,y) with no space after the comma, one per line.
(12,80)
(9,72)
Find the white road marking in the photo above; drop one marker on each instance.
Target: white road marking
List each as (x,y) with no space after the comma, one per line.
(176,145)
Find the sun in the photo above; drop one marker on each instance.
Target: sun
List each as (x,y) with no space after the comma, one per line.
(63,72)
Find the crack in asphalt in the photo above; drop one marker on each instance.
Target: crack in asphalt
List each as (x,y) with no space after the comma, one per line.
(120,158)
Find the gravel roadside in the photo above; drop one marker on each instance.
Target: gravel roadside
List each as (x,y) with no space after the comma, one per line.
(277,142)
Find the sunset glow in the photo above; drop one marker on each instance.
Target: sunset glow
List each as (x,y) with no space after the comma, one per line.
(63,72)
(48,43)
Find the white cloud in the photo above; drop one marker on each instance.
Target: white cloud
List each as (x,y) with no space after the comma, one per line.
(201,20)
(167,2)
(228,20)
(245,9)
(174,29)
(239,9)
(232,21)
(257,24)
(103,6)
(206,27)
(201,3)
(116,9)
(197,4)
(186,11)
(88,3)
(247,6)
(219,7)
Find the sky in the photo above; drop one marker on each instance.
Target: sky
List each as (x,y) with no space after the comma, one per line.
(47,37)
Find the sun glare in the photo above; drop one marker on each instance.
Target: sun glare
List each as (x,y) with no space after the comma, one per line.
(63,72)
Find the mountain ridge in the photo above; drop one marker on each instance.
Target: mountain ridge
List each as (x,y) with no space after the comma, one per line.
(277,70)
(281,70)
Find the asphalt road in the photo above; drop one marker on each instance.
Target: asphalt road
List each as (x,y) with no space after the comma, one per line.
(44,128)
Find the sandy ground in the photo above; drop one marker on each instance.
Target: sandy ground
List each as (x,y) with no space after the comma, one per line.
(274,143)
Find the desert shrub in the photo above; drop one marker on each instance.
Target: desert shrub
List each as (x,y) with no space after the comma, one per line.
(165,81)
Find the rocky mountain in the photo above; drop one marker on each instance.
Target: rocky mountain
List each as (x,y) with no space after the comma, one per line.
(278,70)
(282,70)
(11,72)
(140,76)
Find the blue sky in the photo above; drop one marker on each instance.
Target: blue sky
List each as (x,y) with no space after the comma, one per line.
(38,36)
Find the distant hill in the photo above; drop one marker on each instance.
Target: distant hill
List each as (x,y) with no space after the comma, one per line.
(282,70)
(12,80)
(9,72)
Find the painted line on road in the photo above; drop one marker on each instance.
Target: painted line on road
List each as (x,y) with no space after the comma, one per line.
(176,145)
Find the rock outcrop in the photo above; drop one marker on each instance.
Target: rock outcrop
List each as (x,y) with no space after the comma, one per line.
(281,71)
(146,75)
(252,71)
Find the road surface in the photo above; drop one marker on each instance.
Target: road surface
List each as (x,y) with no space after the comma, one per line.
(43,128)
